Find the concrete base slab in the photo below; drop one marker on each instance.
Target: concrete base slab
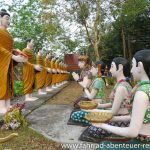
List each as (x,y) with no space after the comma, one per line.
(51,121)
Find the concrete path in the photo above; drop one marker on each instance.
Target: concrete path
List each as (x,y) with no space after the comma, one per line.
(51,121)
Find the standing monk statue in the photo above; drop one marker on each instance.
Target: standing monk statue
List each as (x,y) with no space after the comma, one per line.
(40,76)
(29,71)
(54,72)
(47,64)
(6,62)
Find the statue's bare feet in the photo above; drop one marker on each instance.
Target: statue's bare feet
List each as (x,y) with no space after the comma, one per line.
(3,110)
(54,87)
(58,85)
(61,84)
(8,104)
(31,99)
(49,89)
(42,93)
(9,107)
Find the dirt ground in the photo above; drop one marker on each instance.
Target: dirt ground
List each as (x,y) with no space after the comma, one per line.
(71,93)
(68,95)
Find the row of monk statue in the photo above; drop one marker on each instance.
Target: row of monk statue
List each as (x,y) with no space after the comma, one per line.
(47,72)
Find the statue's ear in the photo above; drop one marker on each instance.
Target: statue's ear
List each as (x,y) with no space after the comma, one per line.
(140,66)
(120,67)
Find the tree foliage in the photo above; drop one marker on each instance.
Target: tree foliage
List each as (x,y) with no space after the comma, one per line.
(102,29)
(131,17)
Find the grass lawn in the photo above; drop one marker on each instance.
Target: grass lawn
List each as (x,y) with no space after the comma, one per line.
(27,140)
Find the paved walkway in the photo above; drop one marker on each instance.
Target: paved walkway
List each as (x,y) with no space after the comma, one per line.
(51,121)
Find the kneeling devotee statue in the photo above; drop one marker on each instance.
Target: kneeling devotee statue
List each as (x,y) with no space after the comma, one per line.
(138,105)
(96,92)
(117,105)
(84,65)
(121,91)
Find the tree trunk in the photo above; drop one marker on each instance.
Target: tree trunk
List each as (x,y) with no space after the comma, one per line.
(123,42)
(85,24)
(129,49)
(94,41)
(95,45)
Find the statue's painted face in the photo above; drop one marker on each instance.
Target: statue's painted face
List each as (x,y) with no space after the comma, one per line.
(94,70)
(135,70)
(49,55)
(113,69)
(5,21)
(81,64)
(31,44)
(41,51)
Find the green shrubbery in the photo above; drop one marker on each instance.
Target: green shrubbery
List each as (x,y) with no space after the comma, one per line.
(18,88)
(110,80)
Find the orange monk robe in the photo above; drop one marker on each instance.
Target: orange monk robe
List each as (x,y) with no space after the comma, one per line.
(67,75)
(56,75)
(62,74)
(28,72)
(41,75)
(53,74)
(59,75)
(60,66)
(6,65)
(49,75)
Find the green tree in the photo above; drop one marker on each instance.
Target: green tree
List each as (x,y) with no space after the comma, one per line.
(29,21)
(89,14)
(135,25)
(125,12)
